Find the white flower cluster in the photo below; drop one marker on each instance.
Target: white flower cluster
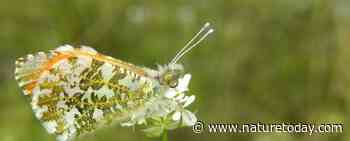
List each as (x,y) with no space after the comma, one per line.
(178,95)
(168,111)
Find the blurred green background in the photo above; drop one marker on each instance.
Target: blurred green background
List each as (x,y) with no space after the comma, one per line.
(268,61)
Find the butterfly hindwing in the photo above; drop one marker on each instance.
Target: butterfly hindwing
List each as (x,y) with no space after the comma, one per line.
(73,91)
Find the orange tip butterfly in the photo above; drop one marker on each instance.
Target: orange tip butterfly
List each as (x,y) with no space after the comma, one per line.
(74,91)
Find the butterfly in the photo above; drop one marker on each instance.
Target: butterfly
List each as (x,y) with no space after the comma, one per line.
(76,90)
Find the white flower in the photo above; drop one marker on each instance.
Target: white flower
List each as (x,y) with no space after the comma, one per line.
(50,126)
(183,83)
(177,116)
(188,118)
(180,88)
(170,93)
(189,100)
(177,95)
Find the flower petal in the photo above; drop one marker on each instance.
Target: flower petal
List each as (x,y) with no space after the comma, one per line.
(183,83)
(180,96)
(170,93)
(176,116)
(183,99)
(188,118)
(189,100)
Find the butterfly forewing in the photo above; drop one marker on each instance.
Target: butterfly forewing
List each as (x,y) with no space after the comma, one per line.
(75,90)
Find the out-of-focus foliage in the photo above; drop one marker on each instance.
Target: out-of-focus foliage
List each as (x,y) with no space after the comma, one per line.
(269,61)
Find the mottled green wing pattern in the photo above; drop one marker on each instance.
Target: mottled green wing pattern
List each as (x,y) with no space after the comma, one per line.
(73,93)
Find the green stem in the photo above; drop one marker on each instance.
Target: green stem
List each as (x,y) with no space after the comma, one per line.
(165,136)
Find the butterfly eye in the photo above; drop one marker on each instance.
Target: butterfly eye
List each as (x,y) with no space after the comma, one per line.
(170,80)
(173,84)
(168,77)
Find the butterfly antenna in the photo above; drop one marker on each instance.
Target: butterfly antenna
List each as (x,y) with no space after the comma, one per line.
(178,57)
(206,25)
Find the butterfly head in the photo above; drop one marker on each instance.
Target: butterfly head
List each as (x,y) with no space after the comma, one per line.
(170,75)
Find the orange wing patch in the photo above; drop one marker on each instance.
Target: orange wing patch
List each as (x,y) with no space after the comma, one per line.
(29,69)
